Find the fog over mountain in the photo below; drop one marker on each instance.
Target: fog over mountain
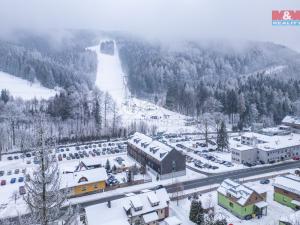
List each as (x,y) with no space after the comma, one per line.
(154,19)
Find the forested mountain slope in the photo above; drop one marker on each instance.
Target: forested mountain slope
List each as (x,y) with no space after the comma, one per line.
(62,63)
(153,67)
(256,80)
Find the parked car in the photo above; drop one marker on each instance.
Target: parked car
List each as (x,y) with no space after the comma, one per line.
(10,158)
(3,182)
(13,180)
(22,190)
(9,172)
(28,162)
(296,158)
(264,181)
(21,179)
(16,157)
(17,171)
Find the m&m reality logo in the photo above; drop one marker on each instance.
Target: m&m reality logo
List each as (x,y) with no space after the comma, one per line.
(286,17)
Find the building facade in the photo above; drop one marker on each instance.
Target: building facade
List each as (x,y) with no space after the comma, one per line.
(241,201)
(158,157)
(257,147)
(287,191)
(84,180)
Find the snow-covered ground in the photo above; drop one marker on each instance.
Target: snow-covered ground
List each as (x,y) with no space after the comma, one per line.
(275,210)
(112,79)
(18,87)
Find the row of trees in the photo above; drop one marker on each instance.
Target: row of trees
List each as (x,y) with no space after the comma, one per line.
(257,98)
(70,116)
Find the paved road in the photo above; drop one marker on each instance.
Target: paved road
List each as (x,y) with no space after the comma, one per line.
(237,174)
(214,179)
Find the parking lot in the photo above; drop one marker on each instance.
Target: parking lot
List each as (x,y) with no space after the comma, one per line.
(201,156)
(14,167)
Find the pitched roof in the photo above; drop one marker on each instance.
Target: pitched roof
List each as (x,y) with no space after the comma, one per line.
(83,177)
(238,191)
(289,183)
(117,213)
(145,199)
(154,148)
(291,120)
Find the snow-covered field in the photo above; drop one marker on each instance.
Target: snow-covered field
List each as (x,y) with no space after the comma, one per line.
(111,79)
(18,87)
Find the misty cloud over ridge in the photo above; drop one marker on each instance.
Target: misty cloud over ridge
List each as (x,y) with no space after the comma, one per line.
(156,19)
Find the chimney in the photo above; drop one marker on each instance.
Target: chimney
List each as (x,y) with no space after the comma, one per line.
(109,204)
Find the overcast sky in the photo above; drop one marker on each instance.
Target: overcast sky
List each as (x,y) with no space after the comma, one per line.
(189,19)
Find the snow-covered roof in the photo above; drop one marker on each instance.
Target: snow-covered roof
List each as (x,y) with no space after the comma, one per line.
(172,220)
(107,216)
(293,218)
(150,217)
(291,120)
(261,204)
(83,177)
(136,202)
(268,143)
(153,198)
(155,148)
(145,201)
(289,183)
(116,214)
(236,190)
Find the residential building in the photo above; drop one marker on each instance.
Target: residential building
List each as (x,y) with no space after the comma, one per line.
(156,156)
(147,208)
(172,220)
(265,148)
(292,219)
(287,190)
(83,180)
(293,122)
(242,201)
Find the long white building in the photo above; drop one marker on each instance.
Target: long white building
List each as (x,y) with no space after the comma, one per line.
(268,147)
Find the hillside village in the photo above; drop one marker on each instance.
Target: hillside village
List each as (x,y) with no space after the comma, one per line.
(153,173)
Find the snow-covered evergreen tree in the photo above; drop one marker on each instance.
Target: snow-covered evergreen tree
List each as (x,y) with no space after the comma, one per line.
(222,137)
(44,197)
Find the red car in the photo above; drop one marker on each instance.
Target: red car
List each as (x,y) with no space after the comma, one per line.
(3,182)
(296,158)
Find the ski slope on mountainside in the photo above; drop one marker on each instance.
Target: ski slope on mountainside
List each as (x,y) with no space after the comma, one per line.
(20,88)
(109,74)
(110,78)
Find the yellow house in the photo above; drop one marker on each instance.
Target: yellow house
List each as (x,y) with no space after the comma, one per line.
(84,181)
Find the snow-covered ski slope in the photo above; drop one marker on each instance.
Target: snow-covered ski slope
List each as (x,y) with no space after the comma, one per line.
(110,78)
(20,88)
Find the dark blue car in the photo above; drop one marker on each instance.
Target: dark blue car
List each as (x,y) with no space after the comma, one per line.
(21,179)
(13,180)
